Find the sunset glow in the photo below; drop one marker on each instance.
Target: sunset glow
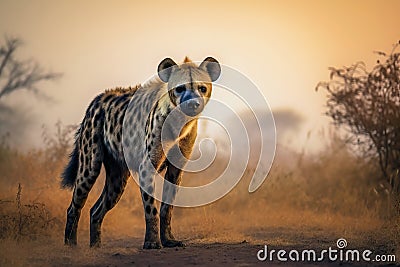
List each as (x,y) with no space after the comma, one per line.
(285,47)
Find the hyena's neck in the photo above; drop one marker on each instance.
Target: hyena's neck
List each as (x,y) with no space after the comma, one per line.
(163,106)
(165,114)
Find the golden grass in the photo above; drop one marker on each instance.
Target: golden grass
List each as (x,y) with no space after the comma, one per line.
(327,195)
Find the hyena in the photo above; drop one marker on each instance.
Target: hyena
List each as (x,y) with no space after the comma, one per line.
(184,89)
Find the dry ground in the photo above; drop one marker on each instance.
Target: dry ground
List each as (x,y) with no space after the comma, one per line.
(307,202)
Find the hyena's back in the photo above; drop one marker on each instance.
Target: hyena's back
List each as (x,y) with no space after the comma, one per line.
(99,133)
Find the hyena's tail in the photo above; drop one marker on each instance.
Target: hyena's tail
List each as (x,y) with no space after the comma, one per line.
(68,177)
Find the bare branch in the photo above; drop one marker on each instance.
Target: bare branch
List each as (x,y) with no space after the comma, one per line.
(7,51)
(20,74)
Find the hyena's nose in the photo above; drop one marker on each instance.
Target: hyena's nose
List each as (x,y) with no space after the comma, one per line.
(194,104)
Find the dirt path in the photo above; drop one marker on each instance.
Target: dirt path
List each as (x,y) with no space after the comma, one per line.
(127,251)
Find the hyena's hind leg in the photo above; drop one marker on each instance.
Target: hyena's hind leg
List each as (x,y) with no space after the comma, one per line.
(116,178)
(87,160)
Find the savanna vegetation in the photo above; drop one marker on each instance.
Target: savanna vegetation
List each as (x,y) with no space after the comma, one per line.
(308,200)
(367,105)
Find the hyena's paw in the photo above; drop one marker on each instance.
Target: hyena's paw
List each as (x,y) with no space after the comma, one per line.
(70,242)
(171,243)
(152,245)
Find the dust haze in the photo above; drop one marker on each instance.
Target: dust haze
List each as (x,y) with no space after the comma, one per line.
(307,201)
(310,198)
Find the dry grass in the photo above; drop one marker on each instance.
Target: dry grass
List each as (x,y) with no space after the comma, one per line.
(327,195)
(20,220)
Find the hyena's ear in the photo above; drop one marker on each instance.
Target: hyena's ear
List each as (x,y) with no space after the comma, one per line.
(165,69)
(211,65)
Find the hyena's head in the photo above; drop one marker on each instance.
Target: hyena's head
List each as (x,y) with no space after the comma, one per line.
(189,85)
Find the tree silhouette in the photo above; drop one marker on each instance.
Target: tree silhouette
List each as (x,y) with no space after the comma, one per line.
(16,74)
(367,104)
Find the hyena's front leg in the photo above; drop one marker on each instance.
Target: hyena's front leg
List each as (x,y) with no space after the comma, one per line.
(179,154)
(146,180)
(172,175)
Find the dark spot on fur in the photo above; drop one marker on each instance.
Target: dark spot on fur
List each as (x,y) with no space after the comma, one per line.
(154,211)
(111,129)
(79,192)
(148,209)
(126,144)
(86,174)
(144,173)
(121,119)
(112,101)
(85,186)
(96,118)
(89,124)
(107,98)
(150,189)
(120,99)
(119,137)
(85,149)
(95,138)
(145,196)
(151,200)
(131,118)
(116,114)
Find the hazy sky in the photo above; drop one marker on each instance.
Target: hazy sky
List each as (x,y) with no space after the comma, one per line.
(285,47)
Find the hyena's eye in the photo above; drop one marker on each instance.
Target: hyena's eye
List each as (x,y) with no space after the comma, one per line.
(203,89)
(180,89)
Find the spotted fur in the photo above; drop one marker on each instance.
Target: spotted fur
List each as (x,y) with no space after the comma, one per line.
(143,111)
